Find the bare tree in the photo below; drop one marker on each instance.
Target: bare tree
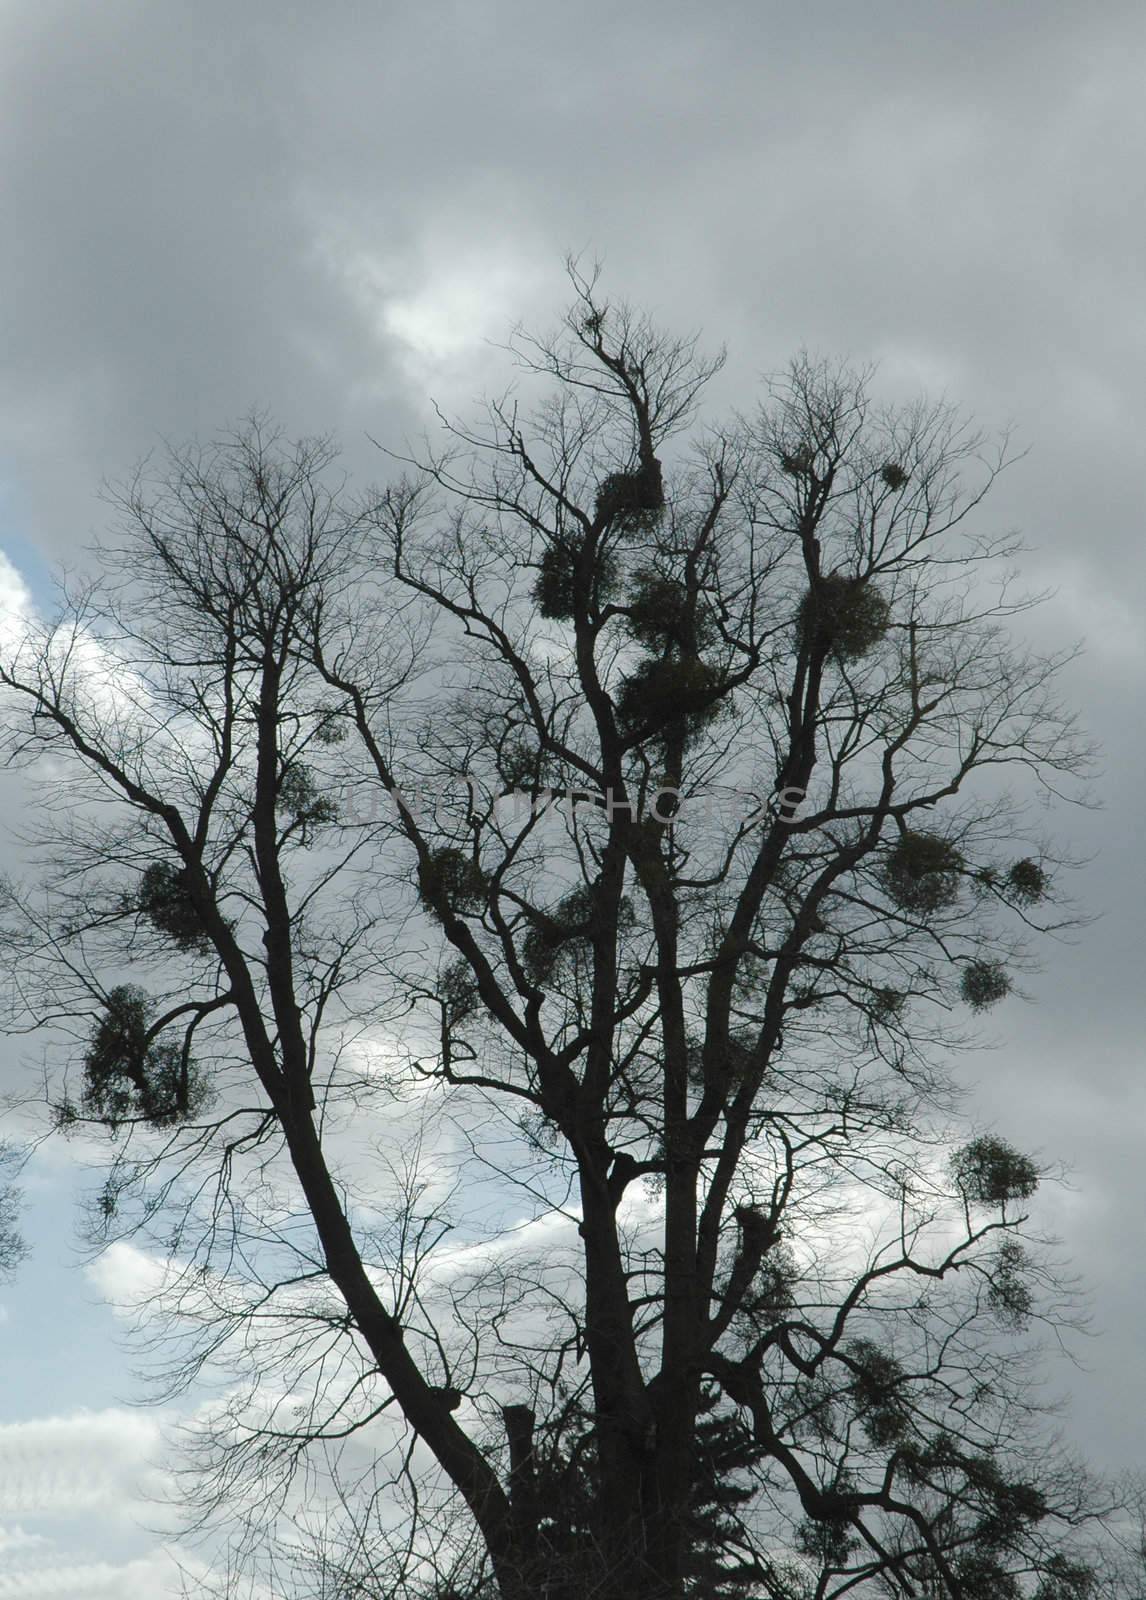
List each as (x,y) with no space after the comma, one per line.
(12,1246)
(627,816)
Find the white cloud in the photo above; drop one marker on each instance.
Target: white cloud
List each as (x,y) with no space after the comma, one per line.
(154,1576)
(15,602)
(91,1479)
(14,595)
(444,309)
(545,1235)
(462,303)
(126,1276)
(99,1460)
(15,1538)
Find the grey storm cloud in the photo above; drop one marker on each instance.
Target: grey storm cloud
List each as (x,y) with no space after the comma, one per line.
(330,210)
(208,207)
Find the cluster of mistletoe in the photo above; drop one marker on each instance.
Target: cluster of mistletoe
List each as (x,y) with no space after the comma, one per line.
(135,1069)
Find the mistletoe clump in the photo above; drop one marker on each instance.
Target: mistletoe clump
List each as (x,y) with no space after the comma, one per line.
(131,1072)
(877,1389)
(922,872)
(773,1290)
(1005,1510)
(457,992)
(165,899)
(551,934)
(1008,1293)
(982,1576)
(729,1065)
(449,880)
(842,616)
(894,475)
(1066,1580)
(797,461)
(1027,881)
(1010,1509)
(330,728)
(661,612)
(830,1537)
(298,799)
(572,923)
(632,499)
(664,694)
(519,764)
(554,587)
(989,1172)
(556,584)
(984,984)
(887,1005)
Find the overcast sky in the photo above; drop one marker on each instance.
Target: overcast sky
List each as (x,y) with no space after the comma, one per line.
(331,210)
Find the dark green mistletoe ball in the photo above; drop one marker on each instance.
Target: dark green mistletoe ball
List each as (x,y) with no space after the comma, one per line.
(664,693)
(1027,882)
(843,616)
(556,585)
(166,901)
(133,1073)
(797,461)
(922,872)
(983,984)
(450,880)
(632,499)
(660,612)
(989,1171)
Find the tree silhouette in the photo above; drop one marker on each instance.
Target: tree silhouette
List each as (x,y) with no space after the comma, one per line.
(643,807)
